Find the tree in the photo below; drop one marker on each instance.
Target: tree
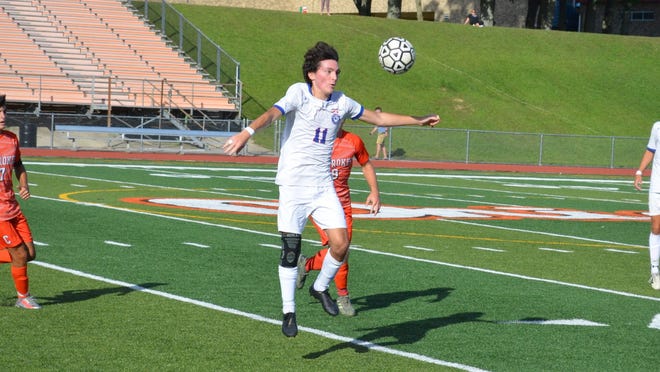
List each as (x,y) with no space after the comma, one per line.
(487,10)
(394,9)
(363,7)
(537,14)
(608,17)
(561,23)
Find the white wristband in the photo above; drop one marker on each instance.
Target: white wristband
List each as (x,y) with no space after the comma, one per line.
(249,130)
(638,173)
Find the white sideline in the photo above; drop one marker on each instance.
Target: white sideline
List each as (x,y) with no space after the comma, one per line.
(365,344)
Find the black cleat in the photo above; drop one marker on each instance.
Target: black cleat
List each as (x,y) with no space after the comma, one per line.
(289,325)
(328,303)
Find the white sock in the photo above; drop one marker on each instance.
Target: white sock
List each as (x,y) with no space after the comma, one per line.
(288,276)
(327,273)
(654,251)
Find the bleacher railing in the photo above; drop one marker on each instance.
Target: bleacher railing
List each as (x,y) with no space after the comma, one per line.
(101,93)
(221,67)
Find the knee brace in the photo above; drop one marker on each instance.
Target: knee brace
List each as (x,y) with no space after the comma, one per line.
(290,249)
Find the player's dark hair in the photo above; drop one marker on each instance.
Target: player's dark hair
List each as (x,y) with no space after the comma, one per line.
(3,100)
(319,52)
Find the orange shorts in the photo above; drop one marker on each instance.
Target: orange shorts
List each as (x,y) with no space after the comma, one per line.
(14,232)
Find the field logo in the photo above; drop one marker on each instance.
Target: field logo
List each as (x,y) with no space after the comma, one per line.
(361,211)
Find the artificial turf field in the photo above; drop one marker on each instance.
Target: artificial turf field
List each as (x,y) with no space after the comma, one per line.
(173,266)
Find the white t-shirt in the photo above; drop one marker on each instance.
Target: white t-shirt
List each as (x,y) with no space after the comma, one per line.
(309,134)
(654,142)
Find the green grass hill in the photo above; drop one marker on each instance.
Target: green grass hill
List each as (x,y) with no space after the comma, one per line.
(492,78)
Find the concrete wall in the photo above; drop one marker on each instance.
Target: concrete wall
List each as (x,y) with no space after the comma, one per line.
(438,10)
(506,13)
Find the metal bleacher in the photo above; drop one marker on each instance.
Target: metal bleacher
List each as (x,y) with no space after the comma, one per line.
(99,55)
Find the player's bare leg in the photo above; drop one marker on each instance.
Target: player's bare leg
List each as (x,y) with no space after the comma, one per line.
(339,242)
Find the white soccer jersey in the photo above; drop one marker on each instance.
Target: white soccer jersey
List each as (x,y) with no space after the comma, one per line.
(309,134)
(654,143)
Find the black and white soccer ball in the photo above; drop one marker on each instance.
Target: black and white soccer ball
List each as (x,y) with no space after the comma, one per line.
(396,55)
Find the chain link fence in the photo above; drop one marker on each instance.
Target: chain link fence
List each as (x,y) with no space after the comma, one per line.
(403,143)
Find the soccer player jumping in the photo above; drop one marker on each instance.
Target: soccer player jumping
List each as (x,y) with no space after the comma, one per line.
(314,112)
(347,147)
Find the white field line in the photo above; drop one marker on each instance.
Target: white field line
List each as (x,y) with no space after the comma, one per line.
(555,250)
(512,275)
(366,344)
(544,233)
(326,334)
(620,251)
(489,249)
(119,244)
(419,248)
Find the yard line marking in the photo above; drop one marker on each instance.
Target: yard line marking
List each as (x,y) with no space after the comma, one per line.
(110,242)
(270,245)
(40,243)
(554,250)
(234,228)
(489,249)
(546,233)
(655,323)
(144,185)
(620,251)
(511,275)
(419,248)
(277,322)
(197,245)
(78,185)
(570,322)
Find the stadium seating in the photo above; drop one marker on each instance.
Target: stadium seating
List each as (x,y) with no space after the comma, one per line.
(95,53)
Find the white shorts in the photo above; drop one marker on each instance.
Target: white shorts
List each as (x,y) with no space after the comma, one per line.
(654,203)
(297,203)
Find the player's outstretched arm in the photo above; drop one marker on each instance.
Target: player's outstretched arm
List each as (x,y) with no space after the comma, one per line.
(234,145)
(388,119)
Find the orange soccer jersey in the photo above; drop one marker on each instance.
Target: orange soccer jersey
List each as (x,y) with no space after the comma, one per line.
(9,156)
(347,147)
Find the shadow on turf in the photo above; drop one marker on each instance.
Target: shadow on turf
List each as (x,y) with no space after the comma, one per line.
(403,333)
(88,294)
(383,300)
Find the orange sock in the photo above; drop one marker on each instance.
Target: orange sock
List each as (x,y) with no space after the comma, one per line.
(341,280)
(20,279)
(315,262)
(4,256)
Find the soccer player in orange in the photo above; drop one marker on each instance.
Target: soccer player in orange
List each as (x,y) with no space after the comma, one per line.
(16,245)
(347,147)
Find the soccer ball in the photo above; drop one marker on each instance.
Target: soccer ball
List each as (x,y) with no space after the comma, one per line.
(396,55)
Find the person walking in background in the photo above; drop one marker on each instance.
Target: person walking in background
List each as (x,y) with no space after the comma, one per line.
(16,245)
(383,132)
(654,200)
(473,19)
(325,4)
(314,112)
(347,147)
